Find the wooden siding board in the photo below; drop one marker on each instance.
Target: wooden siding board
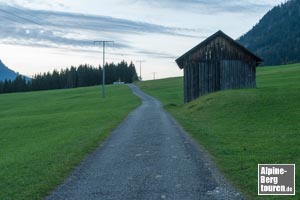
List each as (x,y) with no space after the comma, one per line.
(191,82)
(196,82)
(214,75)
(200,79)
(205,78)
(203,83)
(188,83)
(236,74)
(185,89)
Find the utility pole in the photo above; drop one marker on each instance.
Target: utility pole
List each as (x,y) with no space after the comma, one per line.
(140,61)
(103,42)
(154,75)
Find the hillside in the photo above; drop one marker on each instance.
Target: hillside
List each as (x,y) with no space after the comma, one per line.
(241,128)
(6,73)
(276,38)
(43,135)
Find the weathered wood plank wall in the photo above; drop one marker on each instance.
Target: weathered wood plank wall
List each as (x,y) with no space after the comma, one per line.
(210,76)
(218,64)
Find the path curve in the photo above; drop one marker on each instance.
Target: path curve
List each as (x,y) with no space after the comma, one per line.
(148,156)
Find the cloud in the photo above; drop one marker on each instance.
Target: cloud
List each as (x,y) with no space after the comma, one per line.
(35,3)
(45,28)
(208,6)
(157,54)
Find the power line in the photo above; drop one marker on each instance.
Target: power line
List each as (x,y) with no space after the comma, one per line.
(22,11)
(140,61)
(42,24)
(103,42)
(23,18)
(10,19)
(42,21)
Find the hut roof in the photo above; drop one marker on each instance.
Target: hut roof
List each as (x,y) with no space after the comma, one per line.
(180,60)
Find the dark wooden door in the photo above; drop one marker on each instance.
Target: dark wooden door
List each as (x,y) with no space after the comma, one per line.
(209,76)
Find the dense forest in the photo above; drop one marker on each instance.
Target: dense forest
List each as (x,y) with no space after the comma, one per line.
(276,38)
(84,75)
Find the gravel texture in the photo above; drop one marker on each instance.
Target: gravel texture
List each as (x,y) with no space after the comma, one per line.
(148,156)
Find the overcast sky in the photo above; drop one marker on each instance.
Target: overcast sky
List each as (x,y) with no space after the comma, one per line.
(41,35)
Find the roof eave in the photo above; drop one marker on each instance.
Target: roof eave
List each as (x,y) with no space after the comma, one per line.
(179,63)
(218,33)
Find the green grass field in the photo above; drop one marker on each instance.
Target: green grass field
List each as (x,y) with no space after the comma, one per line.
(241,128)
(43,135)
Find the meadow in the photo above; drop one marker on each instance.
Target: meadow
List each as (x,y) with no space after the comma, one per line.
(241,128)
(44,135)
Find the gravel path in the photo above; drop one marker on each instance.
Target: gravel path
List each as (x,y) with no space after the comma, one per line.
(147,157)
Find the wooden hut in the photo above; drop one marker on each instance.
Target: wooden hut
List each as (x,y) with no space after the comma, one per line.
(217,63)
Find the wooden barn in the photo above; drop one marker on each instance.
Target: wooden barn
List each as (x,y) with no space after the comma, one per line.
(217,63)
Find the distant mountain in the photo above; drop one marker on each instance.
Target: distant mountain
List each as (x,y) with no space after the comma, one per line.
(276,38)
(6,73)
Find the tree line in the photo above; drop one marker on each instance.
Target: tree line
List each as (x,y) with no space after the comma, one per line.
(276,38)
(81,76)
